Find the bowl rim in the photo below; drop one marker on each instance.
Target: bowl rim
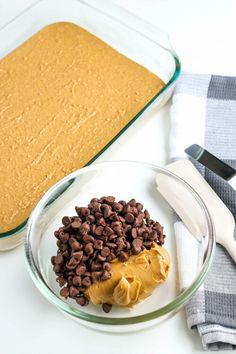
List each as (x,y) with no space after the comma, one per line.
(176,304)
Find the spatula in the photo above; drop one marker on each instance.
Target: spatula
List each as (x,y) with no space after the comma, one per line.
(210,161)
(222,218)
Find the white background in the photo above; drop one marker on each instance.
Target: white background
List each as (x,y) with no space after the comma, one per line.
(203,32)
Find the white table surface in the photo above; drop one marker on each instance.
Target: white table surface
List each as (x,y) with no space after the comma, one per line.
(203,34)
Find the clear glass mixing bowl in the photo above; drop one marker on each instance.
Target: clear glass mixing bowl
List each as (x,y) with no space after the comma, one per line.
(124,180)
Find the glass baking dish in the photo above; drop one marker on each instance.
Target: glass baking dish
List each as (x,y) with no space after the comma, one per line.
(128,34)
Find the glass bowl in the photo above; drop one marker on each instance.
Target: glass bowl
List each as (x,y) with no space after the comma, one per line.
(140,41)
(124,180)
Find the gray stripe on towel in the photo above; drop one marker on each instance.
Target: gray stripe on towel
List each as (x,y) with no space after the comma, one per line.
(222,88)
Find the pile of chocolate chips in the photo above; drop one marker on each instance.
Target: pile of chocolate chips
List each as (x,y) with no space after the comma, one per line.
(91,240)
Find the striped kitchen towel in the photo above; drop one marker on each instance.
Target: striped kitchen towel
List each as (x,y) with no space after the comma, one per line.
(203,111)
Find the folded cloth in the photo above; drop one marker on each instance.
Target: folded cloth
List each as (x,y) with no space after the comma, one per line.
(203,111)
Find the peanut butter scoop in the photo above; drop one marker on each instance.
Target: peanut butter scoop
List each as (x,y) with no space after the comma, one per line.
(134,280)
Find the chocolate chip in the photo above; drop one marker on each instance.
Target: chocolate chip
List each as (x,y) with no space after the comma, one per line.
(82,289)
(122,219)
(86,281)
(61,280)
(136,250)
(127,246)
(127,208)
(84,211)
(96,276)
(63,246)
(123,257)
(103,238)
(108,231)
(158,228)
(72,263)
(106,275)
(98,215)
(127,228)
(132,202)
(76,224)
(84,228)
(150,222)
(105,251)
(99,230)
(77,209)
(57,233)
(118,231)
(114,217)
(117,207)
(71,240)
(140,231)
(65,254)
(111,245)
(134,232)
(90,219)
(129,218)
(64,292)
(66,220)
(85,258)
(78,255)
(88,248)
(88,238)
(73,291)
(116,224)
(98,244)
(96,266)
(111,257)
(101,222)
(58,259)
(148,244)
(137,242)
(106,307)
(101,258)
(120,244)
(96,207)
(70,280)
(112,237)
(161,240)
(134,211)
(64,237)
(109,200)
(139,220)
(139,206)
(145,236)
(77,281)
(92,228)
(147,215)
(59,243)
(80,269)
(153,235)
(107,211)
(137,246)
(82,301)
(106,266)
(76,246)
